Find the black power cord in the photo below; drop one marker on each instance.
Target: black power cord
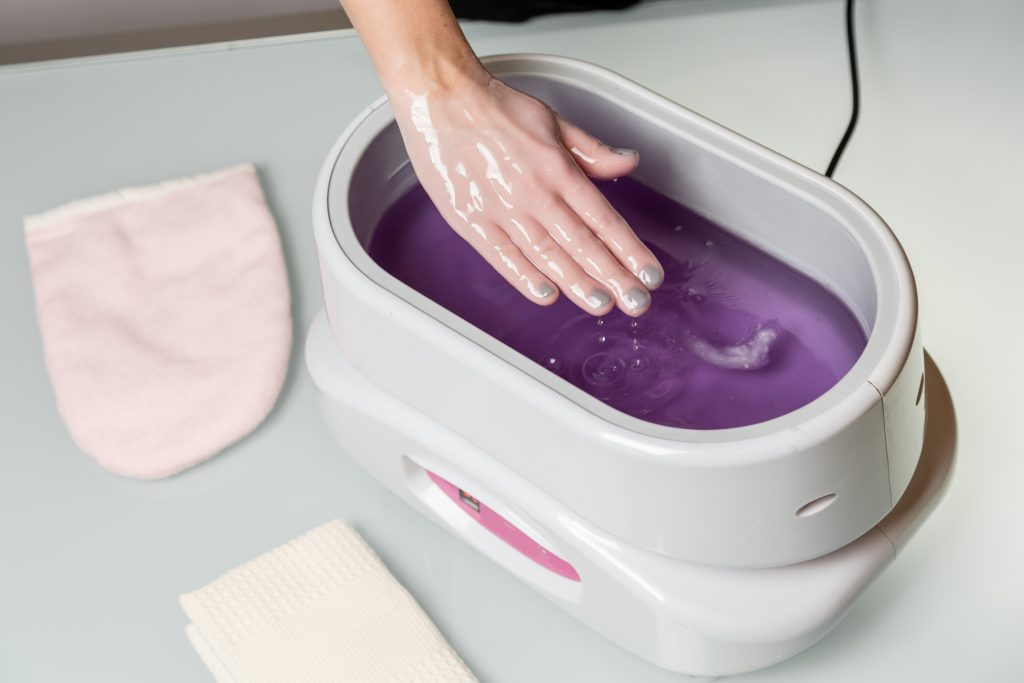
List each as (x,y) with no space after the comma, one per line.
(851,48)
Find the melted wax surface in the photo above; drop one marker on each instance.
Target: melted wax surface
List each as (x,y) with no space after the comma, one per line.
(733,337)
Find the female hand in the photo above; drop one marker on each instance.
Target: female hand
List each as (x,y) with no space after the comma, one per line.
(511,177)
(507,173)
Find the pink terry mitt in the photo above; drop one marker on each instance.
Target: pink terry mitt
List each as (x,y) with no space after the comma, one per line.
(165,317)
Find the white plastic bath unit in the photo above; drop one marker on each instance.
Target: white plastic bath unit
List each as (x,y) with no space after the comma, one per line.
(709,552)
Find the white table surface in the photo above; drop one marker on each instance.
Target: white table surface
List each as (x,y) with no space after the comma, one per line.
(91,565)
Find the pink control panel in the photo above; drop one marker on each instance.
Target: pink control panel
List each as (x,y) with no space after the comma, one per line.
(505,530)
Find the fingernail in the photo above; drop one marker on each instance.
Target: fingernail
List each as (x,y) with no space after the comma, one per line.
(636,298)
(651,276)
(626,152)
(598,299)
(543,290)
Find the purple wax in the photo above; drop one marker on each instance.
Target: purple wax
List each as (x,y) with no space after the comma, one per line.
(733,337)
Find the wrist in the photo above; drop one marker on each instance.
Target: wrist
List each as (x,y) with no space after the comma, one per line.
(437,74)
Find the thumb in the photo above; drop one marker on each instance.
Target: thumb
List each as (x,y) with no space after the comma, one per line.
(595,158)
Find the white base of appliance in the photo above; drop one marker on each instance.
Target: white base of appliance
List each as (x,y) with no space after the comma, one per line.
(695,619)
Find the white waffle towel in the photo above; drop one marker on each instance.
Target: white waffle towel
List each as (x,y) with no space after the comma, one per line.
(321,608)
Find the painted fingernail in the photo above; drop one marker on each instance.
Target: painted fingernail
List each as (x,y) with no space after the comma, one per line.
(543,290)
(626,152)
(598,299)
(651,276)
(636,298)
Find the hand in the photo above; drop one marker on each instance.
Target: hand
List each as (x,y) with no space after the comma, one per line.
(510,176)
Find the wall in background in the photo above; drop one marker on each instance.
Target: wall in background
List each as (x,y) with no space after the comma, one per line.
(50,29)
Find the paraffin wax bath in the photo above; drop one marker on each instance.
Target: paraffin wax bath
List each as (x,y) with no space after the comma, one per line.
(733,337)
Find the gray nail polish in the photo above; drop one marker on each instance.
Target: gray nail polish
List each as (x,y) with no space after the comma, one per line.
(626,152)
(544,290)
(636,299)
(651,276)
(598,299)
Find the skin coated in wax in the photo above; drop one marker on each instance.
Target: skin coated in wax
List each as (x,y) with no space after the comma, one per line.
(508,174)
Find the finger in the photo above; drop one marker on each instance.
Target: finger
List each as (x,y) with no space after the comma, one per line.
(597,159)
(504,256)
(577,240)
(612,229)
(538,246)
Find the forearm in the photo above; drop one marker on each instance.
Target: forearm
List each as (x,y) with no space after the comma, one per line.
(414,44)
